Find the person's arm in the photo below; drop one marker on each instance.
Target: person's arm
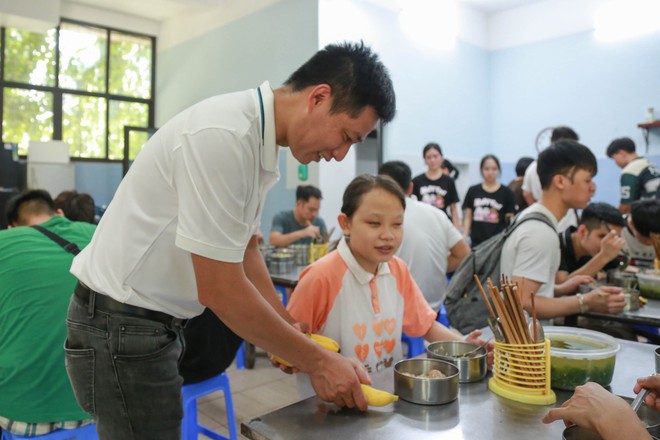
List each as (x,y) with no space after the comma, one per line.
(610,246)
(257,273)
(279,239)
(455,219)
(605,299)
(225,289)
(457,253)
(467,222)
(570,285)
(594,408)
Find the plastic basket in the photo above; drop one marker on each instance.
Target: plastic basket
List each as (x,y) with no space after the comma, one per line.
(521,372)
(316,251)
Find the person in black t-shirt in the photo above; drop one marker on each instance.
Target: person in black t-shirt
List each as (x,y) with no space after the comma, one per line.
(591,247)
(436,188)
(489,205)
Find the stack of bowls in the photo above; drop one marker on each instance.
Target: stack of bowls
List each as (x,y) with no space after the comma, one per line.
(281,262)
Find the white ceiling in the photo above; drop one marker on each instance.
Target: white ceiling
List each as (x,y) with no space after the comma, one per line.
(159,10)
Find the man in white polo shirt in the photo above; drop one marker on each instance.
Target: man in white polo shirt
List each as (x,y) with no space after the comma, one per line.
(180,235)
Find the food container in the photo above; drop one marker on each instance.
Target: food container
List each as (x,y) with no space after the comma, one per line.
(471,368)
(280,262)
(424,390)
(301,254)
(578,356)
(649,284)
(632,300)
(621,278)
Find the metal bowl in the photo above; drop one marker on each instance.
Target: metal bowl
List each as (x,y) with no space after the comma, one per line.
(470,369)
(423,390)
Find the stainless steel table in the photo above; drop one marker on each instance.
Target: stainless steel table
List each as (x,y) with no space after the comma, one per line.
(289,279)
(647,315)
(476,414)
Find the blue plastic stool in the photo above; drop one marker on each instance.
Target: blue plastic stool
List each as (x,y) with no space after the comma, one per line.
(240,357)
(442,317)
(415,345)
(87,432)
(190,428)
(282,291)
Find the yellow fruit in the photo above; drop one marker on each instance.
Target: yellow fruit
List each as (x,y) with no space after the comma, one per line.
(323,341)
(378,397)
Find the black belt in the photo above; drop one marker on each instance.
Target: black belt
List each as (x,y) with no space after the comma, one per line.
(106,304)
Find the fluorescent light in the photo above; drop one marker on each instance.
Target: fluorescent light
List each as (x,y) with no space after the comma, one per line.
(430,23)
(623,19)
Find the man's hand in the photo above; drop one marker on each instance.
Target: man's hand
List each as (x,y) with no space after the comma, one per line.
(605,299)
(338,380)
(594,408)
(311,231)
(611,245)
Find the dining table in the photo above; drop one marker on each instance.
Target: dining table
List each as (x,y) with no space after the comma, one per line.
(477,413)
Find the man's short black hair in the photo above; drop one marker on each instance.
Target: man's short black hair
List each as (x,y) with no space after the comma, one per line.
(522,165)
(563,132)
(36,200)
(645,215)
(564,157)
(625,143)
(597,213)
(305,192)
(356,75)
(399,171)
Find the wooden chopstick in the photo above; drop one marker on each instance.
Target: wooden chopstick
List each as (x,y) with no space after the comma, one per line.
(483,294)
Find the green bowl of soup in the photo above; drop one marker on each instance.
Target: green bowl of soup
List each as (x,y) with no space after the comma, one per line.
(578,356)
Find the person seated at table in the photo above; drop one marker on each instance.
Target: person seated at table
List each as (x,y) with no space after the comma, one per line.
(640,224)
(431,246)
(589,248)
(530,255)
(303,223)
(35,289)
(594,408)
(76,206)
(361,294)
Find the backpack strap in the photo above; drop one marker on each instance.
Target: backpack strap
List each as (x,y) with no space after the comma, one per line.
(531,216)
(71,248)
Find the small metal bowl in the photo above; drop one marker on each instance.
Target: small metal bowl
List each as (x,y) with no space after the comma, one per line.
(423,390)
(472,368)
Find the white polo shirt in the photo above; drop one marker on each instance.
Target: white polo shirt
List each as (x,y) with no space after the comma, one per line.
(428,236)
(198,186)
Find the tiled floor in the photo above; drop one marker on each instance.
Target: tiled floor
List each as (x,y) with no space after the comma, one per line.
(257,391)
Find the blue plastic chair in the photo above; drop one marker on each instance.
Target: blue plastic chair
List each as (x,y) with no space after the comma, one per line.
(415,345)
(87,432)
(442,316)
(190,427)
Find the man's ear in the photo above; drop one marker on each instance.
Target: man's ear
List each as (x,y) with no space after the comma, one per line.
(317,96)
(582,231)
(344,224)
(559,181)
(59,212)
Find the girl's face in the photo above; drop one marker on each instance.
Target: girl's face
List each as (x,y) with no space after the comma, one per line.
(433,159)
(490,171)
(375,229)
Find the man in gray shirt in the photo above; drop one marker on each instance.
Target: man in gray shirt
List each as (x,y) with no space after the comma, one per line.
(303,223)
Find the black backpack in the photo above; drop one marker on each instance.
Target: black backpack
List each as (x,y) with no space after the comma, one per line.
(465,306)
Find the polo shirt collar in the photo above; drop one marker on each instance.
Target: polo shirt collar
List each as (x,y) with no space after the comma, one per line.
(361,275)
(269,149)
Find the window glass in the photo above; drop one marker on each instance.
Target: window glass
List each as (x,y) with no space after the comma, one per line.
(83,125)
(27,115)
(83,52)
(124,113)
(30,57)
(130,65)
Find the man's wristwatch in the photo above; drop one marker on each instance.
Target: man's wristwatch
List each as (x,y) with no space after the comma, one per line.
(580,298)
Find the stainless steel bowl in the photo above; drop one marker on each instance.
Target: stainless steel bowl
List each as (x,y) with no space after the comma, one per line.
(423,390)
(470,369)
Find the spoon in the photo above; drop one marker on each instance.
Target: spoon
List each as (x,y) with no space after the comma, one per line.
(540,334)
(474,350)
(639,399)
